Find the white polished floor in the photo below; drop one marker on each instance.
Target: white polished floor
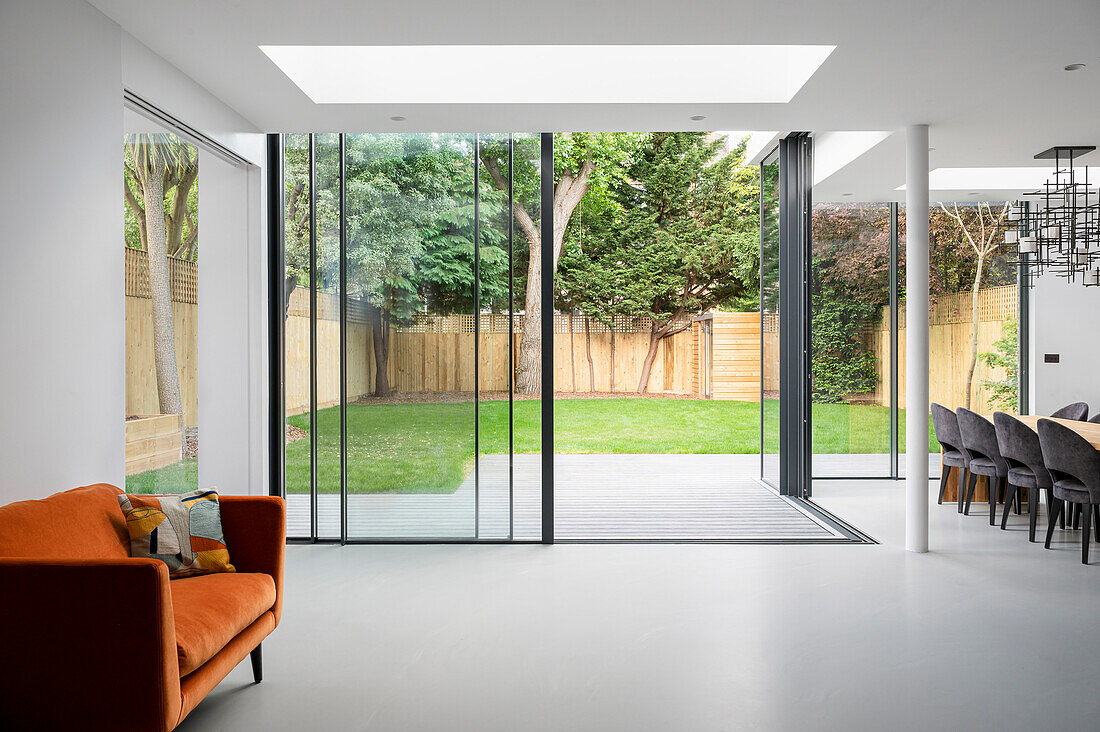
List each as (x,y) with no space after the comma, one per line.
(987,632)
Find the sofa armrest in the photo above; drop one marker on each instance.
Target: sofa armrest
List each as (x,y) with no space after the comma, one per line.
(255,534)
(87,644)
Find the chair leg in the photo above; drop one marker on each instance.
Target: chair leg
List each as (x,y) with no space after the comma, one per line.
(1096,521)
(1009,498)
(257,658)
(994,491)
(970,492)
(1076,516)
(943,483)
(1019,500)
(1056,509)
(1086,532)
(1032,512)
(962,487)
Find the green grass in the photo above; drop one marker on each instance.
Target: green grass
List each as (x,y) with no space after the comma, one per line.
(175,478)
(428,447)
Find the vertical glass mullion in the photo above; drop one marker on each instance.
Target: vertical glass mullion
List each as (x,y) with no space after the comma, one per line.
(343,341)
(1023,330)
(477,336)
(313,516)
(511,339)
(894,390)
(546,251)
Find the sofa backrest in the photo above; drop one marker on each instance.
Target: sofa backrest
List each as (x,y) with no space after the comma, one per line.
(84,523)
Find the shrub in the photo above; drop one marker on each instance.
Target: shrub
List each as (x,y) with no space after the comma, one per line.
(841,363)
(1004,394)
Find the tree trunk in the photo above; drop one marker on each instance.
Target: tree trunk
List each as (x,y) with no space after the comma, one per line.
(529,368)
(655,337)
(290,283)
(974,328)
(612,355)
(380,337)
(568,192)
(175,220)
(588,349)
(160,290)
(572,355)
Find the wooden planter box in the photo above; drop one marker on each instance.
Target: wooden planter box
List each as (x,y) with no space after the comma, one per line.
(153,441)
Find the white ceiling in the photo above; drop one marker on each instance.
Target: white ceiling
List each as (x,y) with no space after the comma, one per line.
(985,74)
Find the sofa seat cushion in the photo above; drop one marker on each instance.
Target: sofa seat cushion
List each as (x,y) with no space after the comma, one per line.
(211,609)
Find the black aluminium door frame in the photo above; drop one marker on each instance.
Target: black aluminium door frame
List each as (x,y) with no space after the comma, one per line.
(795,201)
(546,280)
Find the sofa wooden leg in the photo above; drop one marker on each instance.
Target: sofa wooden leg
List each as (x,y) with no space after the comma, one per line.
(257,663)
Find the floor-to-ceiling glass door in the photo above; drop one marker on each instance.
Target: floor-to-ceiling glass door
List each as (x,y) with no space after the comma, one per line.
(403,301)
(438,387)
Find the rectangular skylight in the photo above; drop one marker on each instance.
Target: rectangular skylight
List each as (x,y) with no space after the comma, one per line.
(989,179)
(548,74)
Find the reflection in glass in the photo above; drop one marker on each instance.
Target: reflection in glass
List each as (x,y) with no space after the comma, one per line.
(410,351)
(436,261)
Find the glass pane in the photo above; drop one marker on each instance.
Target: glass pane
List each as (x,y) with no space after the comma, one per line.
(410,353)
(160,173)
(850,339)
(326,318)
(769,319)
(296,327)
(972,339)
(526,277)
(494,341)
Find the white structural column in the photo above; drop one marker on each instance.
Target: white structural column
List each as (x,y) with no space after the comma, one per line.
(916,338)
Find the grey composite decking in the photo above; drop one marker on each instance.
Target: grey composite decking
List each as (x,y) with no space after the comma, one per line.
(625,497)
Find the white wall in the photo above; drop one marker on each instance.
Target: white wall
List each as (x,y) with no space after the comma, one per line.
(232,347)
(231,363)
(62,318)
(1065,319)
(169,89)
(61,305)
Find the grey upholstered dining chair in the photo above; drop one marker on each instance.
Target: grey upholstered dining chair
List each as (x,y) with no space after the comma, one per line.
(1075,466)
(1019,445)
(946,425)
(1095,419)
(979,436)
(1078,411)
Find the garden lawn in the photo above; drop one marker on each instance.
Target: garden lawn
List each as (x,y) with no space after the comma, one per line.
(428,447)
(175,478)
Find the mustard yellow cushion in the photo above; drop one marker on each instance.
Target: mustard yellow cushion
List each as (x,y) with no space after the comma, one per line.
(184,531)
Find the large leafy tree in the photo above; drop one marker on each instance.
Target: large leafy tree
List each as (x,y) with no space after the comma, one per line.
(687,239)
(583,162)
(397,186)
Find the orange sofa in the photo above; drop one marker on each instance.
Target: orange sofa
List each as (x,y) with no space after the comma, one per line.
(91,639)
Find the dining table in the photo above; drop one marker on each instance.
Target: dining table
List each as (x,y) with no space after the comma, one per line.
(1089,430)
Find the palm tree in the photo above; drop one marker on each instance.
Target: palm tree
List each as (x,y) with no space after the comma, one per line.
(160,162)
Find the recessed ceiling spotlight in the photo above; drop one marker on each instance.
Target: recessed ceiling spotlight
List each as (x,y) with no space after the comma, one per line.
(698,117)
(972,193)
(931,149)
(845,194)
(397,118)
(1074,67)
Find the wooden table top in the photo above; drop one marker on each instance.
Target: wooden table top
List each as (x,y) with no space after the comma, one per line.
(1089,430)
